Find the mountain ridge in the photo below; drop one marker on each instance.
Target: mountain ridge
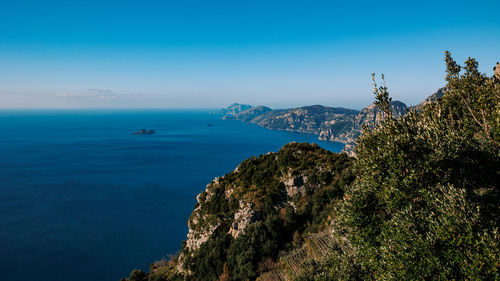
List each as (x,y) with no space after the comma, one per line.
(338,124)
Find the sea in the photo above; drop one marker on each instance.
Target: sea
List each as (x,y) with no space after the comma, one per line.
(82,198)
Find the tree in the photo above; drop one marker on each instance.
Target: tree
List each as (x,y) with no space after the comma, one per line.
(382,98)
(424,204)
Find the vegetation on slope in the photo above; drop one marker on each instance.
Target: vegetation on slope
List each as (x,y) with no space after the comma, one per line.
(424,205)
(291,193)
(420,202)
(279,217)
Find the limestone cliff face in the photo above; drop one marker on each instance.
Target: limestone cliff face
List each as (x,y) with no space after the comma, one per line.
(202,223)
(257,189)
(242,218)
(199,229)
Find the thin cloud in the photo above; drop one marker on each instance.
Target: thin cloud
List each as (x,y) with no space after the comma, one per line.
(91,93)
(101,93)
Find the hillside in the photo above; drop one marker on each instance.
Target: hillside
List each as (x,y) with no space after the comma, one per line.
(420,201)
(329,123)
(267,205)
(249,114)
(260,208)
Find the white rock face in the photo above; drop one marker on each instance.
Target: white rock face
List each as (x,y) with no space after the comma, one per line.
(294,184)
(349,149)
(242,219)
(228,192)
(196,238)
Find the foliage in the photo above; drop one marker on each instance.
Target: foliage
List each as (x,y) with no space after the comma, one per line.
(424,205)
(382,98)
(278,218)
(420,202)
(137,275)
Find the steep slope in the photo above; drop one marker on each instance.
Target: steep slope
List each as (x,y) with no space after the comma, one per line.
(269,205)
(244,219)
(424,205)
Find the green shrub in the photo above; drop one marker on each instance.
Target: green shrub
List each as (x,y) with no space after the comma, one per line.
(424,205)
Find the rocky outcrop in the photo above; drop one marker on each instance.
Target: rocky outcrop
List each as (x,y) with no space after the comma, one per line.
(202,223)
(248,217)
(231,204)
(242,218)
(144,132)
(349,149)
(196,238)
(199,230)
(294,184)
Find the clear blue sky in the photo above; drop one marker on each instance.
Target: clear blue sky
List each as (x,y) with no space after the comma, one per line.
(67,54)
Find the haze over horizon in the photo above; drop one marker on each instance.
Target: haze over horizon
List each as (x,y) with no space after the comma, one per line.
(196,54)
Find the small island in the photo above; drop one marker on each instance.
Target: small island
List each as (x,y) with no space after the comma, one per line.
(144,132)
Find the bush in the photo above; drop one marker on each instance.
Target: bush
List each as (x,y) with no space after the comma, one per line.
(424,205)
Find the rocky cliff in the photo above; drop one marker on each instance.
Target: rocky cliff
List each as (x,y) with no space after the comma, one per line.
(243,220)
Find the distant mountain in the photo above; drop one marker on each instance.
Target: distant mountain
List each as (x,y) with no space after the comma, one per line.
(329,123)
(235,108)
(307,119)
(249,114)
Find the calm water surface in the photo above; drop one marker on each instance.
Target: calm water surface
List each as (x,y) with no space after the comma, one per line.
(81,198)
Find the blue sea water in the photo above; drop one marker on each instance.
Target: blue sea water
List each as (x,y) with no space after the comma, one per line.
(81,198)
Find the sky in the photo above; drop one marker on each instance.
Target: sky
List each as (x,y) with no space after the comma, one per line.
(208,54)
